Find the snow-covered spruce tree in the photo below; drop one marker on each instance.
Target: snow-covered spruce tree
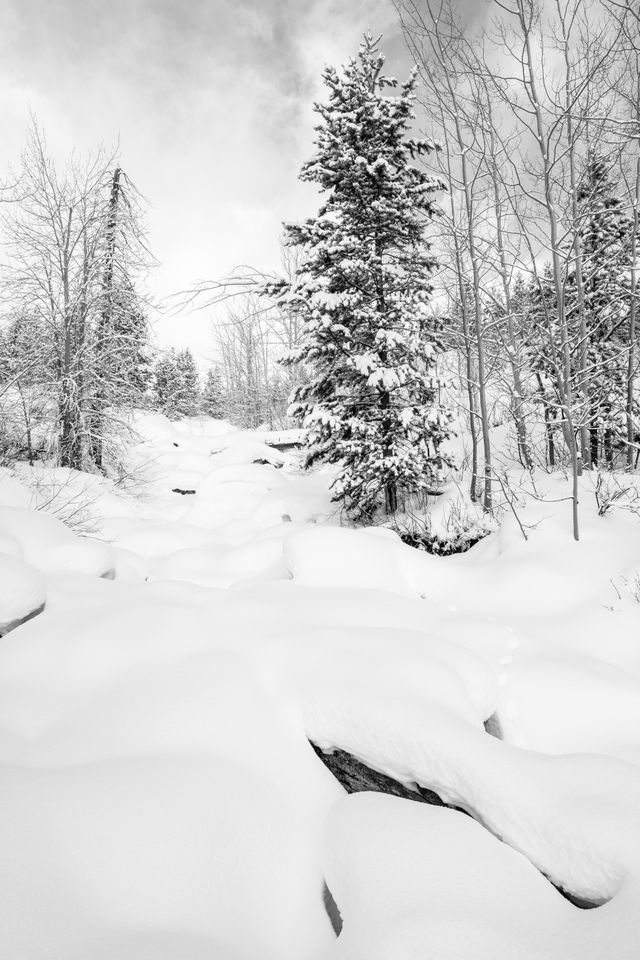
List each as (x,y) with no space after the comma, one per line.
(605,231)
(213,395)
(165,383)
(537,305)
(176,386)
(188,397)
(363,285)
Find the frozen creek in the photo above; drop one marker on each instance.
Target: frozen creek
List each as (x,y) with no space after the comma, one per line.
(160,799)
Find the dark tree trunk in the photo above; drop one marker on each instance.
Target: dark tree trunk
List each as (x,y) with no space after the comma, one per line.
(106,321)
(594,443)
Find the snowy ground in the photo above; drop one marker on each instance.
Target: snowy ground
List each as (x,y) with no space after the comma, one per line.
(159,799)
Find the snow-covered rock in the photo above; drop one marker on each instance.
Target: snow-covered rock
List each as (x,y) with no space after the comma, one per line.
(22,591)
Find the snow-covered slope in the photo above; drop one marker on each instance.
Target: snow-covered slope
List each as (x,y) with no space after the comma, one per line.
(159,799)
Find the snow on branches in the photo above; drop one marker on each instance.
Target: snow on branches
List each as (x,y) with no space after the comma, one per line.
(363,288)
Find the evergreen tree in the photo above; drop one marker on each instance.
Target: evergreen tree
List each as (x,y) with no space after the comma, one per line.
(188,394)
(164,383)
(126,362)
(536,306)
(213,395)
(176,384)
(368,337)
(604,230)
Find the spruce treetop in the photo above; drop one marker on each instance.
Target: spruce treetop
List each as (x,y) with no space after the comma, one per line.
(363,289)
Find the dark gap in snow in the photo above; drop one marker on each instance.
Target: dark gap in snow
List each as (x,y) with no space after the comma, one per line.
(332,910)
(576,901)
(439,546)
(492,726)
(285,446)
(356,776)
(20,620)
(184,493)
(175,444)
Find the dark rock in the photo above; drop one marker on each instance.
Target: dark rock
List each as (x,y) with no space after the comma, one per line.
(184,493)
(356,776)
(332,910)
(20,620)
(492,726)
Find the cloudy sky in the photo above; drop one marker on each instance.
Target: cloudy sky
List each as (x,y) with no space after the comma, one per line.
(210,101)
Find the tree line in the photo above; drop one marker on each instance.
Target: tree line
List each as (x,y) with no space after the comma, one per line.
(474,257)
(75,332)
(532,147)
(538,115)
(76,352)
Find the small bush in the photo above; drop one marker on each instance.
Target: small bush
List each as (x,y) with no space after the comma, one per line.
(461,532)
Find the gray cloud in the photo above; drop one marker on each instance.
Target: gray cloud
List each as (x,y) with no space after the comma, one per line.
(211,101)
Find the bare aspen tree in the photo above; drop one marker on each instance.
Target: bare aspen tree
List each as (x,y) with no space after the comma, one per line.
(434,38)
(527,18)
(627,16)
(504,261)
(549,94)
(243,347)
(68,267)
(53,234)
(522,102)
(251,337)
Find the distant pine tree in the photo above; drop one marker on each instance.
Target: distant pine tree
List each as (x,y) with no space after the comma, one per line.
(129,358)
(213,395)
(368,338)
(605,229)
(165,383)
(188,398)
(176,387)
(536,305)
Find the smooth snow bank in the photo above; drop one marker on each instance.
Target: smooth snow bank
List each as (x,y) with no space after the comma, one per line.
(158,538)
(13,493)
(151,783)
(588,804)
(221,565)
(246,448)
(413,881)
(338,557)
(563,704)
(159,797)
(52,547)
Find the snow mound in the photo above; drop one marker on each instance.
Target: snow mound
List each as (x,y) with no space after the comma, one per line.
(13,493)
(22,591)
(338,557)
(564,704)
(51,546)
(151,784)
(149,538)
(244,448)
(415,881)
